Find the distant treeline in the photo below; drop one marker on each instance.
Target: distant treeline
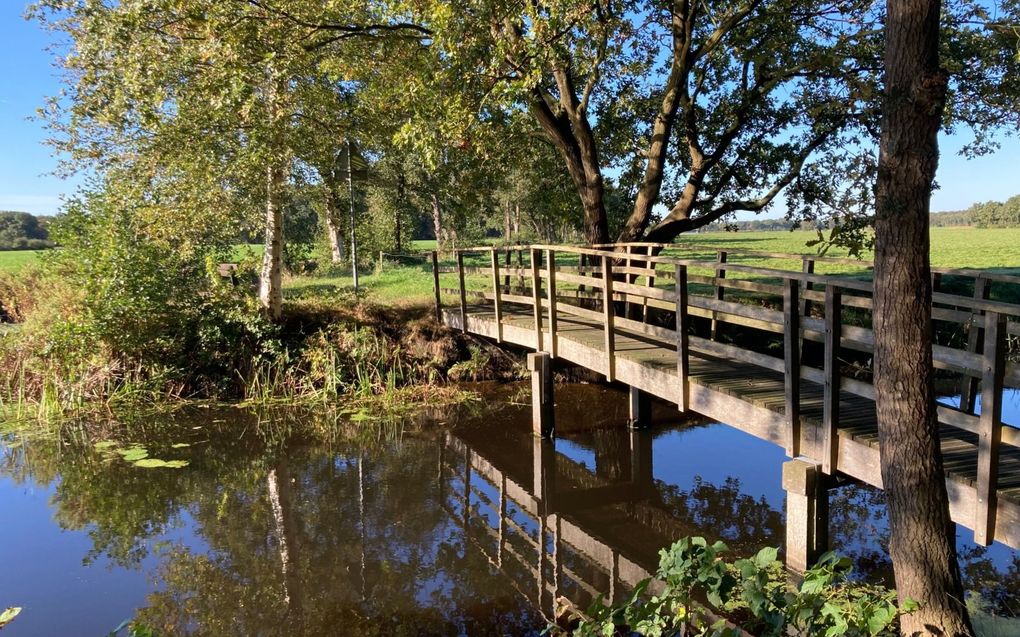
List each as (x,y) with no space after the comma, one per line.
(989,214)
(22,231)
(762,225)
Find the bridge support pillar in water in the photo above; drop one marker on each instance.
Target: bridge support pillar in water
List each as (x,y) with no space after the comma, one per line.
(542,412)
(807,513)
(640,408)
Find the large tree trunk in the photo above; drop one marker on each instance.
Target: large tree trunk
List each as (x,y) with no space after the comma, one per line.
(334,227)
(921,531)
(271,281)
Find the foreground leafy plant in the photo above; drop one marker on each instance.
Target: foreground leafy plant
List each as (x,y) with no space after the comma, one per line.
(8,615)
(698,586)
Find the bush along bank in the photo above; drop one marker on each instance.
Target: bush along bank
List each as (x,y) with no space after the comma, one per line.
(122,314)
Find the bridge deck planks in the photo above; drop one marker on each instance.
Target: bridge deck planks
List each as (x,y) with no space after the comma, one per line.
(765,388)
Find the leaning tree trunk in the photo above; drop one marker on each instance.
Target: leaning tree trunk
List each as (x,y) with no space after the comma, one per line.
(271,281)
(334,228)
(921,531)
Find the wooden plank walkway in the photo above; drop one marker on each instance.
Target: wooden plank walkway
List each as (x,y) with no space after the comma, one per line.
(747,389)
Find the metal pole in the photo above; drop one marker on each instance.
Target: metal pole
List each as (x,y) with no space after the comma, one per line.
(354,235)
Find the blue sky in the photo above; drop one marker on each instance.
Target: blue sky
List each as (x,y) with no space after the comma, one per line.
(26,162)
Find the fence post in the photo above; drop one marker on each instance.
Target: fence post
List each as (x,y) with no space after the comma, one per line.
(497,300)
(830,406)
(536,297)
(720,291)
(463,292)
(990,427)
(650,282)
(609,314)
(506,279)
(683,363)
(791,367)
(435,286)
(982,288)
(550,287)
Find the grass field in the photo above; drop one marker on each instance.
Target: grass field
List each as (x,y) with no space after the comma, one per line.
(410,283)
(14,260)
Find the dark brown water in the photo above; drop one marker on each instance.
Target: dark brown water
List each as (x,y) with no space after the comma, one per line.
(459,523)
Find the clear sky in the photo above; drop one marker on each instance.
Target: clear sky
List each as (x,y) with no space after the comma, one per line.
(28,77)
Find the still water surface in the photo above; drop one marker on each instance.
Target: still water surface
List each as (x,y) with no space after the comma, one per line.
(456,523)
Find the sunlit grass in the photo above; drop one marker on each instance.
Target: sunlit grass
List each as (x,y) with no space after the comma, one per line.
(14,260)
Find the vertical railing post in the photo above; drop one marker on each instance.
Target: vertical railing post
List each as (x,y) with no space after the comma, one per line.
(982,289)
(506,279)
(990,427)
(463,292)
(650,282)
(536,296)
(830,406)
(550,287)
(609,314)
(628,264)
(435,286)
(807,267)
(720,291)
(936,282)
(497,297)
(791,367)
(683,363)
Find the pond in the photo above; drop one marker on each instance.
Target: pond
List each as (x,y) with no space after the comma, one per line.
(452,523)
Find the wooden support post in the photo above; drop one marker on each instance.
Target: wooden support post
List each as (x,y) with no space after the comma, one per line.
(536,296)
(683,364)
(720,291)
(435,286)
(990,427)
(542,413)
(968,395)
(807,514)
(609,314)
(640,408)
(830,406)
(543,467)
(936,282)
(550,287)
(497,297)
(791,367)
(463,292)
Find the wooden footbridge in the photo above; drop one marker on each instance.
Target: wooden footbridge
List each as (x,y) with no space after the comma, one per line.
(792,369)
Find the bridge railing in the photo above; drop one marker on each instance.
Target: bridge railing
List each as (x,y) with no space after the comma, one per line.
(667,299)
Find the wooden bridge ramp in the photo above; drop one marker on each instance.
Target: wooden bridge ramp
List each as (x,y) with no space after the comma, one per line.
(553,301)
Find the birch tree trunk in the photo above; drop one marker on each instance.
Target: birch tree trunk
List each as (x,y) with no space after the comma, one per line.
(271,281)
(922,537)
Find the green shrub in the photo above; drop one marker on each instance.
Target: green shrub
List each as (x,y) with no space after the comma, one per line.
(699,587)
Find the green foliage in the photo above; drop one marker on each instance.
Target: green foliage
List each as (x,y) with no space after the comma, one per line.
(698,586)
(8,615)
(130,312)
(22,231)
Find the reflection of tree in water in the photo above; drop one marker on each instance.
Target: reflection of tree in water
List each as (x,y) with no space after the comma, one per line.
(723,512)
(302,540)
(859,529)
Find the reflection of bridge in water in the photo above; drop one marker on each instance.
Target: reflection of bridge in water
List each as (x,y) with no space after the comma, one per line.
(553,526)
